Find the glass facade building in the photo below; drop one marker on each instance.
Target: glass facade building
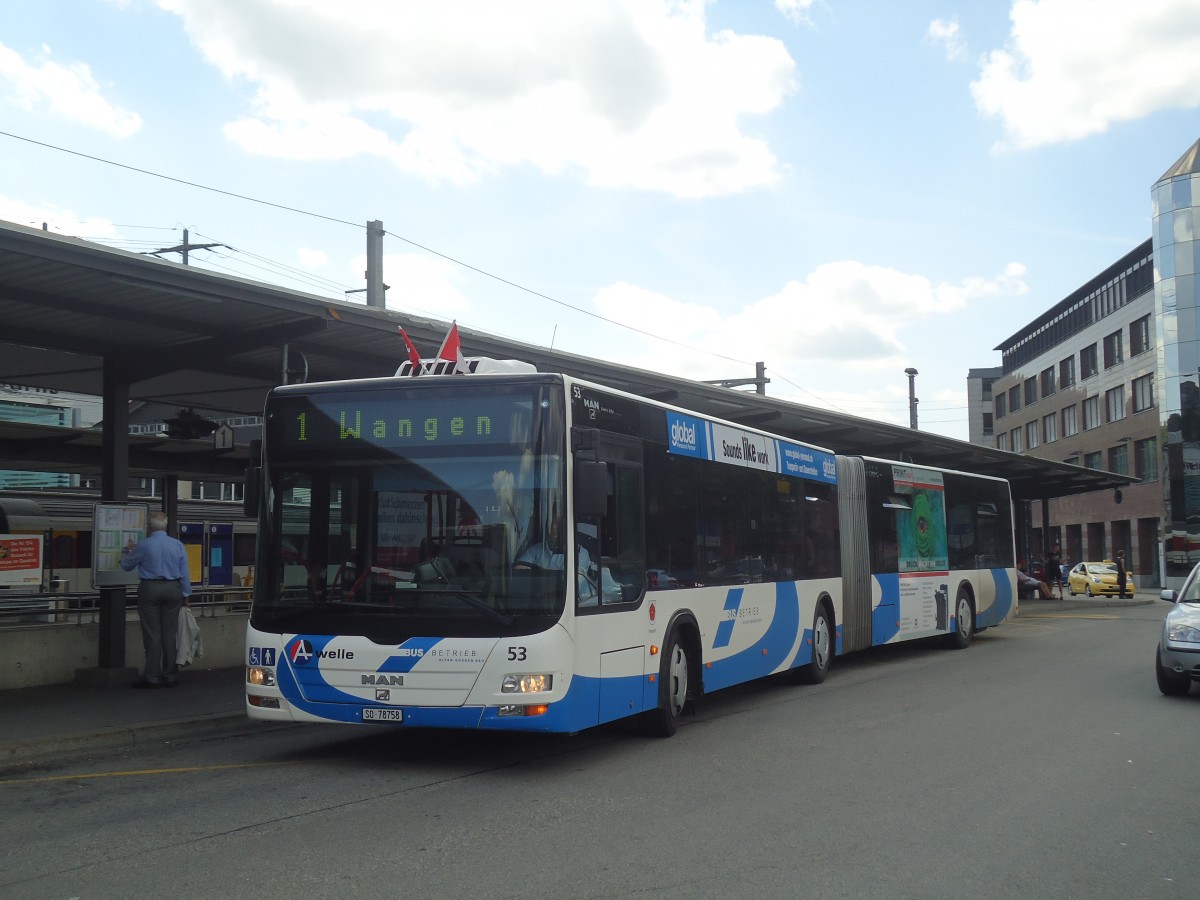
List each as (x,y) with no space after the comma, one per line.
(1175,207)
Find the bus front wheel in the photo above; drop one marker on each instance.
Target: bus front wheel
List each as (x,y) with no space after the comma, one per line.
(672,690)
(814,671)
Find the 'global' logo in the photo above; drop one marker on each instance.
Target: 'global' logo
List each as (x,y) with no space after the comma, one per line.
(683,434)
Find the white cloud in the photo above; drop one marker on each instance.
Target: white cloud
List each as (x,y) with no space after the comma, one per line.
(57,221)
(946,33)
(1072,69)
(795,11)
(311,258)
(632,94)
(417,284)
(844,317)
(69,90)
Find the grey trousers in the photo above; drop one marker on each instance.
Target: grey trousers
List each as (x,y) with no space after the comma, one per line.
(158,608)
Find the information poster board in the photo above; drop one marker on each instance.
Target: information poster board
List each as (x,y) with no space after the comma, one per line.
(20,560)
(115,525)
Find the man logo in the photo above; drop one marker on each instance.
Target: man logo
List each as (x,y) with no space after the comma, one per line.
(383,694)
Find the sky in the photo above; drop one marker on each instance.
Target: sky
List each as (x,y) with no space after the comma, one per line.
(841,190)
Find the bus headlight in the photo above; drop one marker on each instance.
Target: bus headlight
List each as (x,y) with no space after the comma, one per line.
(527,684)
(261,676)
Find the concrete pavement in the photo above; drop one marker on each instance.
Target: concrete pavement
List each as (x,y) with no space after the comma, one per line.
(40,723)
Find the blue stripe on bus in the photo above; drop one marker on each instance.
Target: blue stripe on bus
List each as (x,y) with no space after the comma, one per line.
(767,653)
(733,600)
(885,618)
(1002,606)
(414,649)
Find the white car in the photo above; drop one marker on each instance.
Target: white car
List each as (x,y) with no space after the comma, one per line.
(1177,659)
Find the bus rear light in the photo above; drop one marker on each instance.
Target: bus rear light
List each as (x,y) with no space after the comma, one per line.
(653,650)
(260,676)
(263,702)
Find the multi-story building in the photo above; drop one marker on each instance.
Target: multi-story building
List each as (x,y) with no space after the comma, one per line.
(980,415)
(1109,378)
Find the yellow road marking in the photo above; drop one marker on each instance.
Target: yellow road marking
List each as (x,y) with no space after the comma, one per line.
(1066,616)
(174,771)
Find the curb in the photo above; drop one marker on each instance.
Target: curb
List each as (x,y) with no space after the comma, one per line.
(22,754)
(1071,604)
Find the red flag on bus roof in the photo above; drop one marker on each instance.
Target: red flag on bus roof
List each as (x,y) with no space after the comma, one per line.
(413,356)
(451,350)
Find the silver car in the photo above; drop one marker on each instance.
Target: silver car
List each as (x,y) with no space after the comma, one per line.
(1177,659)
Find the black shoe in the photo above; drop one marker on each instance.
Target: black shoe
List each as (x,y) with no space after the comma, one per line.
(144,685)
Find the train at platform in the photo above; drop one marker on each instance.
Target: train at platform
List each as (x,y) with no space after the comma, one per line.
(64,519)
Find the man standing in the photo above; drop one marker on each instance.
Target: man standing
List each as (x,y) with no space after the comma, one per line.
(163,587)
(1054,569)
(1122,573)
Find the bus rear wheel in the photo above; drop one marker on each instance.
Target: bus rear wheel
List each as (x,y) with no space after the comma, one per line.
(672,690)
(964,622)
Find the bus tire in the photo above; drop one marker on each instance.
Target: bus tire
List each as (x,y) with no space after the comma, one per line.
(964,621)
(816,670)
(673,687)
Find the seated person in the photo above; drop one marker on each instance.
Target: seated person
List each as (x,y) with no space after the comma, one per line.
(1027,586)
(547,554)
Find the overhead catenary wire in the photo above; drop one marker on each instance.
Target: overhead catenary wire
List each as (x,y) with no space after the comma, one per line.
(315,281)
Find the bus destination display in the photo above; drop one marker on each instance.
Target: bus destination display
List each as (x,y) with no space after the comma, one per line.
(320,423)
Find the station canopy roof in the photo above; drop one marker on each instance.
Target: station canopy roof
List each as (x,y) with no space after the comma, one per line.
(193,339)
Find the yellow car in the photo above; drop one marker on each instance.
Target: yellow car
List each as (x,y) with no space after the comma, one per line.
(1097,579)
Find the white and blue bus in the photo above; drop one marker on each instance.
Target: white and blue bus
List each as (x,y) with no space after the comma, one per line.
(532,552)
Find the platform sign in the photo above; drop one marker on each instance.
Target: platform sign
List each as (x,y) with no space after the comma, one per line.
(220,553)
(115,525)
(20,560)
(191,535)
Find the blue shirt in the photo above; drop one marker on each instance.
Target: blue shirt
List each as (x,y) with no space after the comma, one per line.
(159,556)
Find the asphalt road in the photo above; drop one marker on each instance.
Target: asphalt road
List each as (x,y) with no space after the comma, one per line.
(1041,762)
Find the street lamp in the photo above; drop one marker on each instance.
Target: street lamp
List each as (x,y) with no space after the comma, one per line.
(912,396)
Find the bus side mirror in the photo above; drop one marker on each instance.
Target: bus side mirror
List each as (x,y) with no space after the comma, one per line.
(591,489)
(253,489)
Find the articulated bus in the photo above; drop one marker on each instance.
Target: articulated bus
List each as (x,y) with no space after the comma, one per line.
(528,551)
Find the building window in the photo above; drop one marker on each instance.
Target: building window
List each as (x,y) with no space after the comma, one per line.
(1070,420)
(1118,459)
(1017,436)
(1113,350)
(1047,381)
(1091,460)
(1050,428)
(1087,362)
(1014,398)
(987,424)
(1066,372)
(1091,413)
(1114,404)
(1145,459)
(1002,441)
(986,384)
(1031,394)
(1031,434)
(1139,336)
(1143,393)
(1001,406)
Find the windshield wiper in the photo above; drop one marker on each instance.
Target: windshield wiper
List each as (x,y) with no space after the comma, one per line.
(472,601)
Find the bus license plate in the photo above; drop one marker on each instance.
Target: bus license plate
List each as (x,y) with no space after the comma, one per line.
(383,715)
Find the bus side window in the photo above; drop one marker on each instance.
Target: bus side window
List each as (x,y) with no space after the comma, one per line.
(619,573)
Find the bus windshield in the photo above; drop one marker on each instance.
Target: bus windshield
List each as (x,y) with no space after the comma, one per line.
(396,511)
